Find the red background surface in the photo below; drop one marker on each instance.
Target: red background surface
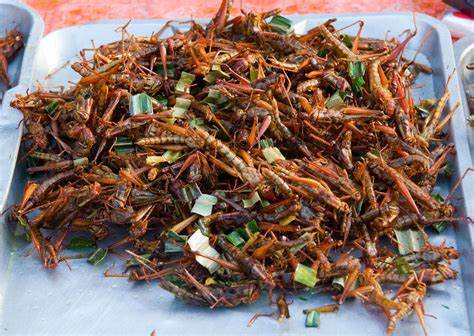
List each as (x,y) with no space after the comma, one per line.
(61,13)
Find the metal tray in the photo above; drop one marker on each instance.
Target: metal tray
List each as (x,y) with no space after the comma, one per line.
(81,301)
(464,54)
(14,15)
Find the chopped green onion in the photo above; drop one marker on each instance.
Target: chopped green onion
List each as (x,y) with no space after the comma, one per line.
(253,226)
(204,204)
(335,101)
(197,122)
(216,100)
(235,239)
(306,275)
(52,107)
(22,228)
(172,248)
(80,243)
(169,69)
(134,262)
(357,72)
(215,73)
(287,220)
(253,74)
(313,319)
(438,197)
(266,143)
(98,256)
(140,104)
(338,283)
(243,233)
(190,192)
(200,243)
(175,280)
(162,99)
(448,170)
(347,41)
(425,106)
(180,108)
(272,154)
(211,77)
(281,25)
(409,241)
(210,281)
(177,237)
(172,156)
(323,52)
(123,145)
(402,266)
(184,82)
(250,202)
(440,227)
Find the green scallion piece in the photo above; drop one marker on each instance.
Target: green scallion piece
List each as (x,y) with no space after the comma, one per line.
(177,237)
(52,107)
(123,145)
(169,69)
(313,319)
(250,202)
(172,156)
(253,226)
(215,73)
(323,52)
(287,220)
(81,243)
(266,143)
(357,72)
(338,283)
(184,83)
(438,197)
(243,233)
(335,101)
(306,275)
(281,25)
(180,108)
(172,248)
(347,41)
(190,192)
(440,227)
(204,204)
(98,256)
(235,239)
(409,241)
(135,261)
(215,100)
(140,104)
(272,154)
(197,122)
(253,74)
(162,99)
(402,266)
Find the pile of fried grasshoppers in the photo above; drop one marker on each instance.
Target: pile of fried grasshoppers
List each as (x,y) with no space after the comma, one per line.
(241,157)
(10,44)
